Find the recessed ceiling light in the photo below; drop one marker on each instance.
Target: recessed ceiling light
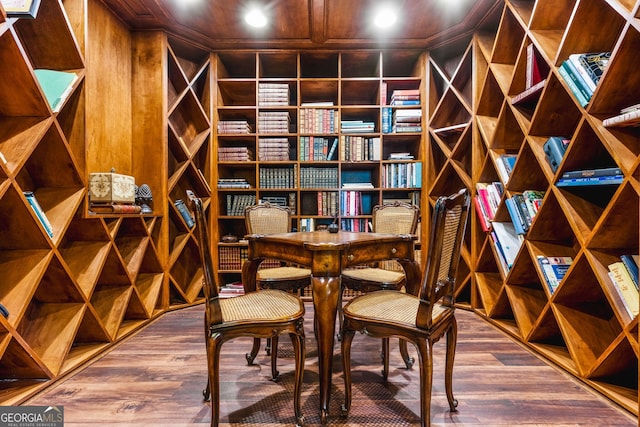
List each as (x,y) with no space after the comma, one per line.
(255,18)
(385,17)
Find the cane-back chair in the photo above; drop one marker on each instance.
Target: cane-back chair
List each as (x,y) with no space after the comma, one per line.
(263,313)
(266,218)
(394,218)
(422,319)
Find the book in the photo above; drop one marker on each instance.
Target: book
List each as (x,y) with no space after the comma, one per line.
(577,78)
(593,180)
(116,208)
(56,85)
(482,215)
(575,89)
(533,200)
(554,269)
(624,286)
(508,240)
(631,263)
(595,63)
(518,221)
(592,172)
(554,149)
(21,8)
(529,95)
(532,68)
(451,130)
(333,148)
(627,119)
(40,214)
(574,60)
(184,212)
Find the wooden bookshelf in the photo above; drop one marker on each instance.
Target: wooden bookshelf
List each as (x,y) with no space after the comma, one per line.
(343,85)
(582,326)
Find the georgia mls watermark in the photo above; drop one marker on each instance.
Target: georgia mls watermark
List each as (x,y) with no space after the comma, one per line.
(31,416)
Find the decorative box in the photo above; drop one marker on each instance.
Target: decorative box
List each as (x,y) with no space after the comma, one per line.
(110,187)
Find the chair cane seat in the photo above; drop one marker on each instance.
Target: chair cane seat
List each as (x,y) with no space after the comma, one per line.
(266,305)
(377,275)
(283,273)
(390,307)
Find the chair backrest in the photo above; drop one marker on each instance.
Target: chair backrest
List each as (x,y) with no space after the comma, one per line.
(210,288)
(266,218)
(445,242)
(395,218)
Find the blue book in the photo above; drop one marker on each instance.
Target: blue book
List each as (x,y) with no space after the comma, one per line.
(594,180)
(516,219)
(37,209)
(630,262)
(554,269)
(592,172)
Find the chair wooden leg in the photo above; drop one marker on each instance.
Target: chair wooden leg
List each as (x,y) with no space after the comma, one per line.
(254,351)
(404,351)
(385,358)
(452,337)
(299,354)
(206,393)
(274,358)
(213,363)
(425,352)
(347,338)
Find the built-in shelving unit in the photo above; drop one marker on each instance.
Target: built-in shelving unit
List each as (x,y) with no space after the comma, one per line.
(316,92)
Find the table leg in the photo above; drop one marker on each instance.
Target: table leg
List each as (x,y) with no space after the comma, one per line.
(326,291)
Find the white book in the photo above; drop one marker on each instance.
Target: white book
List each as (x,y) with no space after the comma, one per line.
(509,240)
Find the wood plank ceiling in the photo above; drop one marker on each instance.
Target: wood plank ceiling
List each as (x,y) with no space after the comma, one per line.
(309,24)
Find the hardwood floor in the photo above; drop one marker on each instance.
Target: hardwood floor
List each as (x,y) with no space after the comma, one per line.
(155,378)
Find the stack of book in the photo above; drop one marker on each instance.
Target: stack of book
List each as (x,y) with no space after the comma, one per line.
(522,208)
(407,120)
(273,122)
(233,183)
(601,176)
(628,117)
(356,126)
(231,290)
(234,154)
(554,269)
(624,276)
(234,126)
(403,97)
(273,94)
(273,149)
(582,71)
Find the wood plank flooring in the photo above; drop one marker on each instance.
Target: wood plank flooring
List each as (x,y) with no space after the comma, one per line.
(155,378)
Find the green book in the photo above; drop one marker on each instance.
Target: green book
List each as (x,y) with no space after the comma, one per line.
(56,86)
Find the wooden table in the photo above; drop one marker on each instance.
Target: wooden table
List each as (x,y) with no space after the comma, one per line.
(327,254)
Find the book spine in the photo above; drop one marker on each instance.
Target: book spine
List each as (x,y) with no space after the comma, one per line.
(594,180)
(632,268)
(631,118)
(37,209)
(184,212)
(622,280)
(564,73)
(575,75)
(592,172)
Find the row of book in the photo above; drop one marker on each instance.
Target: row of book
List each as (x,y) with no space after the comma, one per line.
(313,177)
(285,201)
(318,120)
(233,183)
(236,203)
(357,225)
(277,177)
(327,203)
(232,257)
(405,97)
(402,175)
(523,207)
(318,148)
(359,148)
